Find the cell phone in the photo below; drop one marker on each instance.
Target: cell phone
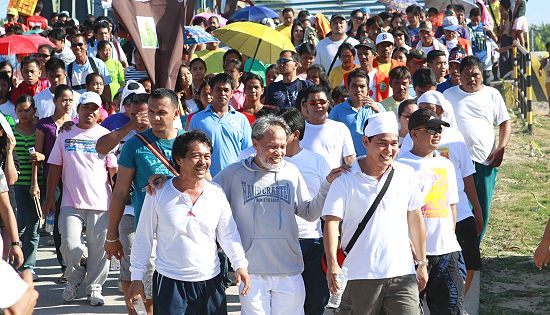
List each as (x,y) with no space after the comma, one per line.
(31,150)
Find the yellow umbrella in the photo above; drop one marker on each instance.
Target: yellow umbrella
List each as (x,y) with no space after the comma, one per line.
(254,40)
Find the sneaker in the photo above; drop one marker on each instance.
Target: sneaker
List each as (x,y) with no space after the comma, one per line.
(62,279)
(70,291)
(96,299)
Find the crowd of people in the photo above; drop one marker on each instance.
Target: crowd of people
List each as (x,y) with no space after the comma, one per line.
(373,141)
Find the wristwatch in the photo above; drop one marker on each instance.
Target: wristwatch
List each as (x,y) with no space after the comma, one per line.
(15,244)
(421,262)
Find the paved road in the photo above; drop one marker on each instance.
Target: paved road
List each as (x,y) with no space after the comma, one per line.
(50,302)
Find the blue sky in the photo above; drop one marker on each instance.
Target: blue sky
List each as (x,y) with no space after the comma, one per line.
(537,12)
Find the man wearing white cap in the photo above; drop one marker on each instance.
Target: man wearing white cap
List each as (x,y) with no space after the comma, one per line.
(381,268)
(384,49)
(451,38)
(86,195)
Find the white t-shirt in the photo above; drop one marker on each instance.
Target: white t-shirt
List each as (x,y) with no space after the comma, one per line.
(9,109)
(85,179)
(382,250)
(437,182)
(332,140)
(314,169)
(453,147)
(45,107)
(476,115)
(12,288)
(327,49)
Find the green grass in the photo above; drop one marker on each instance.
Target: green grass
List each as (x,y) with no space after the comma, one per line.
(510,283)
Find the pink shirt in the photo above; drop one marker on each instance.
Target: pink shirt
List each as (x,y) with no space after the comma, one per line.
(85,177)
(237,100)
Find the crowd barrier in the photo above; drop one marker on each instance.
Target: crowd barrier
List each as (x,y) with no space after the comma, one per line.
(523,88)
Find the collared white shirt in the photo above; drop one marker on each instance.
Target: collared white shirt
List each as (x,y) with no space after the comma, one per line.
(382,250)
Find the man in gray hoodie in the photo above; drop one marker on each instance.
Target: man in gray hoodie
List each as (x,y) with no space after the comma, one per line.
(265,192)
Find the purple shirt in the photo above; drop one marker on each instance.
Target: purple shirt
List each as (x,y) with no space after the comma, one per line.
(49,129)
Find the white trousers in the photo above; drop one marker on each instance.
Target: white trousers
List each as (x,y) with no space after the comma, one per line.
(274,295)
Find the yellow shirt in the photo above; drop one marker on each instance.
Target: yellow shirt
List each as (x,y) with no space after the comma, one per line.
(384,67)
(285,30)
(336,77)
(212,58)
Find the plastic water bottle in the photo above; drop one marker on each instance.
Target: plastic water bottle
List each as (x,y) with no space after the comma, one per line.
(115,263)
(139,306)
(49,222)
(335,298)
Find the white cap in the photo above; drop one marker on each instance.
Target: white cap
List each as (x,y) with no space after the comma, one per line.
(385,122)
(90,97)
(127,92)
(437,98)
(384,37)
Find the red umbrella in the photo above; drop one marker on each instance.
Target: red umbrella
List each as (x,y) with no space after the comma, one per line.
(22,44)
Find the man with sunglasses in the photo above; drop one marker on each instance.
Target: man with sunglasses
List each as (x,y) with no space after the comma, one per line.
(284,93)
(438,185)
(329,138)
(84,65)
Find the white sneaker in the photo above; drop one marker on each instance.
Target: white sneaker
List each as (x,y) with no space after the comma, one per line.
(70,291)
(96,299)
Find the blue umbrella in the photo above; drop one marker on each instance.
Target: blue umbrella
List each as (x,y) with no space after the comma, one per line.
(197,35)
(254,14)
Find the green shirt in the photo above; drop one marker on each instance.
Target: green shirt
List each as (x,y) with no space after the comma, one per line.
(23,143)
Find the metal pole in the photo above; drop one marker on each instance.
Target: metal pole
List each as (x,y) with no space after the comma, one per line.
(516,83)
(529,110)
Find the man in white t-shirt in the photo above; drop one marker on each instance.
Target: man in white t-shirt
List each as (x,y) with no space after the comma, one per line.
(381,268)
(438,185)
(55,72)
(478,108)
(328,47)
(85,199)
(329,138)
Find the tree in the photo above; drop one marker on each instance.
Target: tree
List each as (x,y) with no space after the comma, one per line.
(541,36)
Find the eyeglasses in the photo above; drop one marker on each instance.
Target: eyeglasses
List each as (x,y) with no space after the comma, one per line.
(283,60)
(317,102)
(432,130)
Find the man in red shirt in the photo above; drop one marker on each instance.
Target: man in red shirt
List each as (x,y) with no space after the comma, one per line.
(12,17)
(31,85)
(36,20)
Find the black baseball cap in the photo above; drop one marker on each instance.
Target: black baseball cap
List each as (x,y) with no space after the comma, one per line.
(366,42)
(427,118)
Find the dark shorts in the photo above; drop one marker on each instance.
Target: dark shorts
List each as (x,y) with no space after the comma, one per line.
(445,289)
(468,240)
(174,297)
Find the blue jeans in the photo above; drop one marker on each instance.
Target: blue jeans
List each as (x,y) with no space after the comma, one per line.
(28,223)
(314,278)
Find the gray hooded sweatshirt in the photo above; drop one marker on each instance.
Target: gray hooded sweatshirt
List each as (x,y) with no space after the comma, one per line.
(264,204)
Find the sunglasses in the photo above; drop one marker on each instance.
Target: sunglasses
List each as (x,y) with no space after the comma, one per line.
(77,44)
(283,60)
(42,55)
(317,102)
(432,130)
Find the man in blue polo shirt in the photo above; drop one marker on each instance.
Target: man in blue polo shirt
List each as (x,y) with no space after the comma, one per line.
(229,130)
(357,108)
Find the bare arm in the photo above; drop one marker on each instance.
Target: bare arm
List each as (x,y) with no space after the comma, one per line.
(54,175)
(109,141)
(8,217)
(330,241)
(505,130)
(470,190)
(417,234)
(542,254)
(116,210)
(9,167)
(453,209)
